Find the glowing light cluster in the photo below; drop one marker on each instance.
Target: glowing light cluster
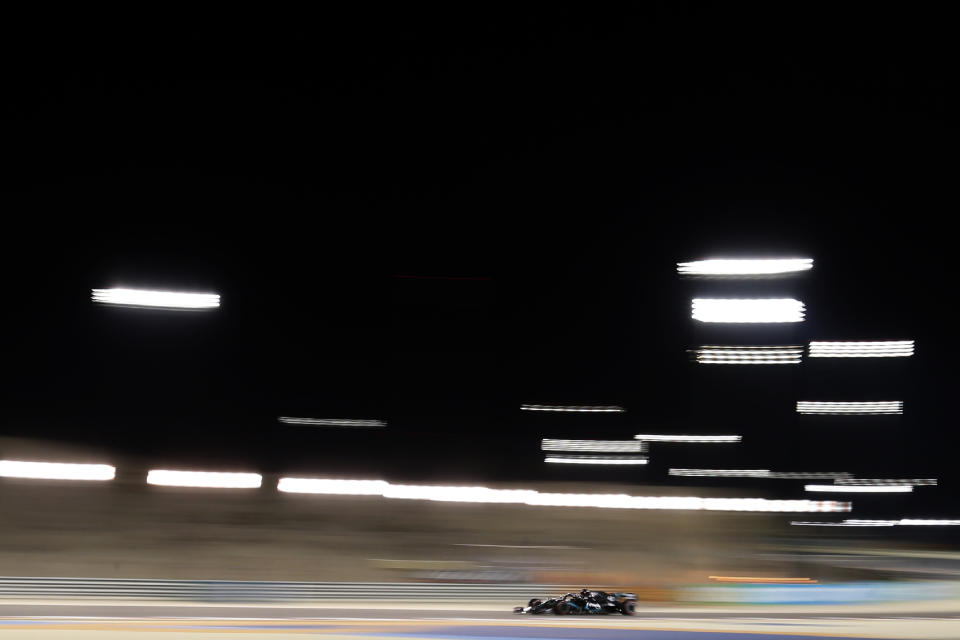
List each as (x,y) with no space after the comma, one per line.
(874,488)
(573,408)
(623,460)
(156,299)
(442,493)
(55,470)
(888,481)
(744,267)
(758,473)
(905,522)
(712,354)
(750,310)
(861,349)
(613,446)
(333,422)
(850,408)
(646,437)
(206,479)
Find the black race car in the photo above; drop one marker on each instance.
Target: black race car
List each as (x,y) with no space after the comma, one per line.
(584,603)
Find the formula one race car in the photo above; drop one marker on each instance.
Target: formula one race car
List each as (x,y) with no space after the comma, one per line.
(584,603)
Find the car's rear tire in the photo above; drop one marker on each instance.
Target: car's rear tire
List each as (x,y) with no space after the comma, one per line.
(534,602)
(561,609)
(629,608)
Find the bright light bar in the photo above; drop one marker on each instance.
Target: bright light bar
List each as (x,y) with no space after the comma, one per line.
(758,473)
(748,310)
(211,479)
(744,267)
(711,354)
(332,487)
(573,408)
(909,522)
(594,460)
(917,482)
(333,422)
(861,349)
(846,523)
(669,438)
(850,408)
(613,446)
(876,488)
(157,299)
(486,495)
(55,470)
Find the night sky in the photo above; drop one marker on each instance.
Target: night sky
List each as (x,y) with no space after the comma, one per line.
(431,218)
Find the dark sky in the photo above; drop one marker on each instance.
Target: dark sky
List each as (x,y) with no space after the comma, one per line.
(540,173)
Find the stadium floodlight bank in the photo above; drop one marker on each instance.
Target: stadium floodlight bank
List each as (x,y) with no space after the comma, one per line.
(204,479)
(861,349)
(759,473)
(610,446)
(647,437)
(55,470)
(334,422)
(892,407)
(747,310)
(745,267)
(610,460)
(156,299)
(597,408)
(714,354)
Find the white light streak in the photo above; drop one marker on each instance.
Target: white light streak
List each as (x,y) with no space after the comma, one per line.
(485,495)
(207,479)
(758,473)
(156,299)
(646,437)
(573,408)
(914,522)
(333,422)
(876,488)
(744,267)
(917,482)
(332,487)
(55,470)
(752,310)
(613,446)
(713,354)
(593,460)
(861,349)
(905,522)
(809,407)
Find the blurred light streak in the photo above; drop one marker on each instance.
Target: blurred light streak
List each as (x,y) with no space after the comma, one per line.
(809,407)
(875,488)
(447,493)
(715,354)
(758,473)
(55,470)
(861,349)
(744,267)
(573,408)
(332,487)
(156,299)
(551,444)
(594,460)
(333,422)
(905,522)
(918,482)
(910,522)
(646,437)
(751,310)
(206,479)
(758,580)
(520,546)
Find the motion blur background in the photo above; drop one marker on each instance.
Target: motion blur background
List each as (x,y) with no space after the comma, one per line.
(432,218)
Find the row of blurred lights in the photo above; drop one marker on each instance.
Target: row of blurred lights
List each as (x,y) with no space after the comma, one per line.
(793,354)
(208,479)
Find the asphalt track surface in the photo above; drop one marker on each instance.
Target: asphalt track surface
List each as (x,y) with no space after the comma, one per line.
(135,622)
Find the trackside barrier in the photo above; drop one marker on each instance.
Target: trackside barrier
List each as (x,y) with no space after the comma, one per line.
(227,591)
(821,594)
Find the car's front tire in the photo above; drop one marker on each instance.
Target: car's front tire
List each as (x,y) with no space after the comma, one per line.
(629,608)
